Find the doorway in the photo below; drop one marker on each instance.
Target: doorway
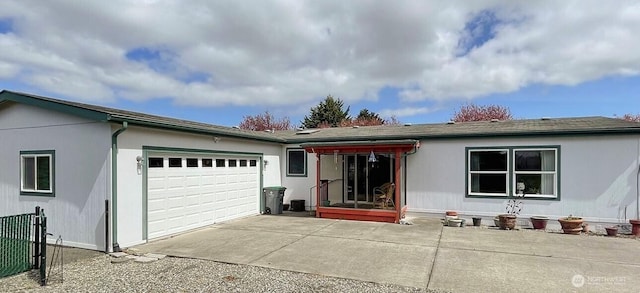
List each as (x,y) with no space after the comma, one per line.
(363,176)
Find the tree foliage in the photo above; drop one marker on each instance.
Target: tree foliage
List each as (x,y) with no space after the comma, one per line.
(473,112)
(265,121)
(364,118)
(631,117)
(329,113)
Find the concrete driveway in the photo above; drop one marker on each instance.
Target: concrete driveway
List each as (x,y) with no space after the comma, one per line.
(423,255)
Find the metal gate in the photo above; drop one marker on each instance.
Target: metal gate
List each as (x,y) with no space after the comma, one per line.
(23,244)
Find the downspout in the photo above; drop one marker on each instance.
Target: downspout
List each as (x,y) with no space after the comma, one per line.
(404,183)
(114,186)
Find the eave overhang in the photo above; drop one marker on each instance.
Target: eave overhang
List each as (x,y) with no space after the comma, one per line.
(380,146)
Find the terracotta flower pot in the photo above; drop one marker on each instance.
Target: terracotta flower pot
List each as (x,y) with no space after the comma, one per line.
(539,222)
(635,227)
(507,221)
(611,231)
(571,225)
(451,213)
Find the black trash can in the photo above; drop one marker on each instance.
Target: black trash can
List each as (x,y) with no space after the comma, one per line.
(297,205)
(273,197)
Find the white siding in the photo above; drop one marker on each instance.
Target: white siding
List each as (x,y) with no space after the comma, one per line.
(598,177)
(298,186)
(130,180)
(82,174)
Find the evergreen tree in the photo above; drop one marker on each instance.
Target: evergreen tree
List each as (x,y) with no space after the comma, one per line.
(329,113)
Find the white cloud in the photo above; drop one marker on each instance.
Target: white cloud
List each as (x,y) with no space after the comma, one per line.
(406,112)
(291,53)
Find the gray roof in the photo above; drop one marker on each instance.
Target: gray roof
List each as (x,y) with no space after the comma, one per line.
(134,118)
(524,127)
(527,127)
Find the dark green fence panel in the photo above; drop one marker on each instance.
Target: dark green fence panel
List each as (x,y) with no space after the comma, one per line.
(15,244)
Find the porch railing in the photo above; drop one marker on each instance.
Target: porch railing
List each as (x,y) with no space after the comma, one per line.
(23,244)
(324,191)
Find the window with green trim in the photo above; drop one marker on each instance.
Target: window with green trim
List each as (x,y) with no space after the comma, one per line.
(296,162)
(510,171)
(535,171)
(37,173)
(488,172)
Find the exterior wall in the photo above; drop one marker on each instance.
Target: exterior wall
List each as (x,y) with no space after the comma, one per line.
(298,187)
(82,174)
(598,178)
(131,202)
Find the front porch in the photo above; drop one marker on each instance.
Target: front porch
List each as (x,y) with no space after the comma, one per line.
(361,180)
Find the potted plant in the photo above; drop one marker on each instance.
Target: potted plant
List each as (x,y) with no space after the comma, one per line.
(571,225)
(514,206)
(539,222)
(477,221)
(455,222)
(635,227)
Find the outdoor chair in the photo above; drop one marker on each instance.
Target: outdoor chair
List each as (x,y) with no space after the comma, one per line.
(383,195)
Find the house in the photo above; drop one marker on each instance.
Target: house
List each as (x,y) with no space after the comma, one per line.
(109,178)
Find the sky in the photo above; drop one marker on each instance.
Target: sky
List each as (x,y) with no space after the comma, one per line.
(420,61)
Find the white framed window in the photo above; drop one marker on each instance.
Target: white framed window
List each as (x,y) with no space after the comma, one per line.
(37,173)
(296,162)
(512,171)
(536,171)
(488,172)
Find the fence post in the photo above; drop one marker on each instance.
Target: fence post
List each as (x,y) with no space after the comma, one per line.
(43,253)
(36,240)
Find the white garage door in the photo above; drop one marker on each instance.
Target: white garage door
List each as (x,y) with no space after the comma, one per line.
(190,191)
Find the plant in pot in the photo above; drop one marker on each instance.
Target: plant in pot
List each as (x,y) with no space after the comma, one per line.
(571,224)
(635,227)
(539,222)
(514,206)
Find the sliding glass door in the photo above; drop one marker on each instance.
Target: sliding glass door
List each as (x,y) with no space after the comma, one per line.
(362,176)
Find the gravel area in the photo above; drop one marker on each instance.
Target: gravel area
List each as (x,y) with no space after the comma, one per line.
(171,274)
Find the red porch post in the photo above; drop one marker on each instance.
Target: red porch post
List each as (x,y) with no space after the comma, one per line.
(397,202)
(317,185)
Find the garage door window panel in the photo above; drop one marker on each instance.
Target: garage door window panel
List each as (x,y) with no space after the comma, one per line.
(192,163)
(220,163)
(175,162)
(207,163)
(156,162)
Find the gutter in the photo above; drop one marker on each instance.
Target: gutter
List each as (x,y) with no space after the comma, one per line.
(114,185)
